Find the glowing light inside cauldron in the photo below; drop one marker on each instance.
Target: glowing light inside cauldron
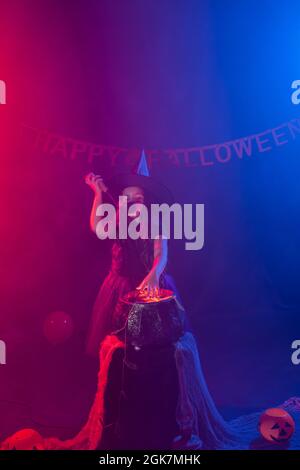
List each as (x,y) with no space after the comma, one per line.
(142,297)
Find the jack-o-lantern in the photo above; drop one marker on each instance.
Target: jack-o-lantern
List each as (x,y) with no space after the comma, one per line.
(276,425)
(25,439)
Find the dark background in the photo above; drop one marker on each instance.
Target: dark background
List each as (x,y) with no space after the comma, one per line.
(153,74)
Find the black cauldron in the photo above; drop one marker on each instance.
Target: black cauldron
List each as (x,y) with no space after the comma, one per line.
(150,321)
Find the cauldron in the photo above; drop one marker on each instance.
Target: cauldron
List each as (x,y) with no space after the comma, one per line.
(151,320)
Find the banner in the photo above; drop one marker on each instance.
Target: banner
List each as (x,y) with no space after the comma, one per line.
(190,157)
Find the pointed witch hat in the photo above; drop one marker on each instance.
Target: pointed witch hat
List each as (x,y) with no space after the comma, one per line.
(155,191)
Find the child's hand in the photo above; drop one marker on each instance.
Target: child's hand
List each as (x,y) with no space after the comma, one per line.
(95,182)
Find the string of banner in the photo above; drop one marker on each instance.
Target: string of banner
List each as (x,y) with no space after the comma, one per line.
(68,148)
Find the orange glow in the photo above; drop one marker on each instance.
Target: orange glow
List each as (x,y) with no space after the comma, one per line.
(142,297)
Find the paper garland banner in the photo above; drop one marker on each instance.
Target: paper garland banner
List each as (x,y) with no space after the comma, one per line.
(204,156)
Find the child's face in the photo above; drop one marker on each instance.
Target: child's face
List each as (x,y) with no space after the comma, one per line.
(134,194)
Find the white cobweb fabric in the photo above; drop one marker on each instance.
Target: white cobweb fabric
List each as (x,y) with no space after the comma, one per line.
(198,415)
(200,423)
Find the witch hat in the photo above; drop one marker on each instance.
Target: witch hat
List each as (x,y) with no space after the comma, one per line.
(142,168)
(156,191)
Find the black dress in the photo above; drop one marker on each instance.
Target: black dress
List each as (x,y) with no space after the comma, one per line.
(131,262)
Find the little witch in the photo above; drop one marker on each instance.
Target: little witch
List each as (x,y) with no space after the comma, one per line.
(135,264)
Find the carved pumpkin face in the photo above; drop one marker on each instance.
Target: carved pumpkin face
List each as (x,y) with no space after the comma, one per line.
(276,425)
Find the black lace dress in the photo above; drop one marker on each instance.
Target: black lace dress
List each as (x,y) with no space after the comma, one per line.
(131,262)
